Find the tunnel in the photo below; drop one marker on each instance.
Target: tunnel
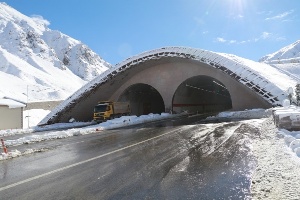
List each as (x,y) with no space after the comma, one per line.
(175,79)
(201,94)
(144,99)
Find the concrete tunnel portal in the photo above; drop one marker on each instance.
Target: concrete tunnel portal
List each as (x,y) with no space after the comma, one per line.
(144,99)
(172,80)
(201,94)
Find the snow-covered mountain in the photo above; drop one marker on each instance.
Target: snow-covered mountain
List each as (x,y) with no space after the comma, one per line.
(39,62)
(287,60)
(288,54)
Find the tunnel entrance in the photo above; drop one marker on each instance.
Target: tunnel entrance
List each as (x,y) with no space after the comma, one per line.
(201,94)
(144,99)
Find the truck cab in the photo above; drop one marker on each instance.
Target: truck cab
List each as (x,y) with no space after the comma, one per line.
(102,111)
(105,110)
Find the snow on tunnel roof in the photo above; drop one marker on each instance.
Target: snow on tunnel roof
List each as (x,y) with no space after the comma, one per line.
(265,80)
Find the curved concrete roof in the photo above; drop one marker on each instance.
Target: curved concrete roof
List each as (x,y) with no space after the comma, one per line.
(263,79)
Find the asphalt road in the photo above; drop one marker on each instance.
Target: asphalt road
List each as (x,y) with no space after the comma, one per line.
(178,159)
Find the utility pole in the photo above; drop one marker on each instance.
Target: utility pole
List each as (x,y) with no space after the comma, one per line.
(27,107)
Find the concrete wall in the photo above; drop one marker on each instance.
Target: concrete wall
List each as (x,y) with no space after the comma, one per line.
(45,105)
(11,118)
(166,78)
(165,75)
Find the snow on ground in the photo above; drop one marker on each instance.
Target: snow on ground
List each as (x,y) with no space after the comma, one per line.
(33,117)
(292,139)
(276,173)
(31,134)
(246,114)
(38,63)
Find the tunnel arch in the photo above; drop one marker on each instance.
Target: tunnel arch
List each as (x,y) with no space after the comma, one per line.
(143,98)
(251,84)
(201,94)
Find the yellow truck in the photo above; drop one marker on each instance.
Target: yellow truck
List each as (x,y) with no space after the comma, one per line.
(105,110)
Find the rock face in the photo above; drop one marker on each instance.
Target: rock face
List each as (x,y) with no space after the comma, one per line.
(30,51)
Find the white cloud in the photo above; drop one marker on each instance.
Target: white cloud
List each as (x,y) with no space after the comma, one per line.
(221,40)
(270,36)
(280,16)
(280,38)
(265,12)
(39,19)
(264,36)
(236,16)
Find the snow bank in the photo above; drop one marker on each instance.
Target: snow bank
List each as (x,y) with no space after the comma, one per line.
(246,114)
(287,117)
(56,134)
(33,116)
(291,139)
(277,168)
(291,116)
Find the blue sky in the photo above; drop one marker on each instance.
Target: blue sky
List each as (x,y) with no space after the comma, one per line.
(117,29)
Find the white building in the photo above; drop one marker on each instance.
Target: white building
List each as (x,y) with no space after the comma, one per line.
(11,114)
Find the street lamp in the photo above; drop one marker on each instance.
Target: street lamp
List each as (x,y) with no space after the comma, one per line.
(27,107)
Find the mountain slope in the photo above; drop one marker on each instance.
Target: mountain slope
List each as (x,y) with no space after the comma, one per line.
(39,62)
(288,54)
(287,60)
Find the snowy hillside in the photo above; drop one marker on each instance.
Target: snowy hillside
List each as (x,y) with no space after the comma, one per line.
(288,54)
(287,60)
(43,63)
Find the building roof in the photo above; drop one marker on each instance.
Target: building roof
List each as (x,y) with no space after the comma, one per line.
(11,103)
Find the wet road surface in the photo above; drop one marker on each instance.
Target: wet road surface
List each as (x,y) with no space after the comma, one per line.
(173,159)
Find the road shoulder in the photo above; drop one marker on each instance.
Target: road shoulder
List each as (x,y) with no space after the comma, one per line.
(277,171)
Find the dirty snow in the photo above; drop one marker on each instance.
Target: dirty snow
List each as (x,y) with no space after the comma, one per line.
(277,171)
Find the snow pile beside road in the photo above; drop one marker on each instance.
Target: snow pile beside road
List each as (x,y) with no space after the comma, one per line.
(277,170)
(131,120)
(246,114)
(291,139)
(10,132)
(33,116)
(31,135)
(59,134)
